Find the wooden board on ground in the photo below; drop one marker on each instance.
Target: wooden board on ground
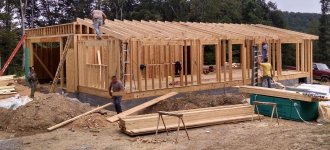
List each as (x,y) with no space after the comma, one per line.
(144,124)
(275,93)
(7,90)
(77,117)
(140,107)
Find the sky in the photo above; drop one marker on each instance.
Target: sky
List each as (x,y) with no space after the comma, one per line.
(309,6)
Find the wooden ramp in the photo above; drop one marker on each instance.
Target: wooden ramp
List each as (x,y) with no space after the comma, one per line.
(144,124)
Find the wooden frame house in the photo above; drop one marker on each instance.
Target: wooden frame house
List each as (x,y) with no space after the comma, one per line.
(146,54)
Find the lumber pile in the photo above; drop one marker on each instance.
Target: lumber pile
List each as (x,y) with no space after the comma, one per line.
(141,107)
(5,80)
(6,90)
(276,93)
(144,124)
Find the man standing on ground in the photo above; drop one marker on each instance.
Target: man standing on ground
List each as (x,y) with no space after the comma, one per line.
(116,86)
(32,78)
(98,20)
(267,72)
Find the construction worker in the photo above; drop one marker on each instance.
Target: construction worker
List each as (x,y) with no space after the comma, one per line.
(98,20)
(267,74)
(32,78)
(264,50)
(116,86)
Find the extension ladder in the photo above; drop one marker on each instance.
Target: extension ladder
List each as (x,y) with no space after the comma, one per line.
(13,54)
(61,64)
(125,63)
(255,65)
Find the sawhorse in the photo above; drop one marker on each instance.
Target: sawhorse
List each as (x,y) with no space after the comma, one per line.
(274,106)
(180,116)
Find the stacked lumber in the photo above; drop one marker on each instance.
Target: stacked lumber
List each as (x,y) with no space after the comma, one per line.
(5,80)
(144,124)
(7,90)
(276,93)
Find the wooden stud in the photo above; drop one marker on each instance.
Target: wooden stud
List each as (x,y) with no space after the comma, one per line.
(297,57)
(186,62)
(230,57)
(224,60)
(243,63)
(302,57)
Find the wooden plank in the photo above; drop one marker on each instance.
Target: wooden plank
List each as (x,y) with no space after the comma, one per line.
(43,65)
(138,47)
(186,62)
(230,61)
(217,61)
(297,57)
(141,107)
(273,55)
(179,49)
(224,59)
(77,117)
(243,64)
(278,57)
(144,124)
(302,57)
(275,93)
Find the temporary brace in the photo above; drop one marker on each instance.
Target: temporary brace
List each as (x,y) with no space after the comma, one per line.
(60,65)
(13,54)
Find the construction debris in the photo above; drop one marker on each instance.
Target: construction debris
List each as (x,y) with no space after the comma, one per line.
(144,124)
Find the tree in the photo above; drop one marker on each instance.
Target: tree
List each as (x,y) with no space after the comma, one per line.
(9,34)
(322,55)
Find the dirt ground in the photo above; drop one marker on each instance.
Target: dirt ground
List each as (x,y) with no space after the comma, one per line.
(245,135)
(46,110)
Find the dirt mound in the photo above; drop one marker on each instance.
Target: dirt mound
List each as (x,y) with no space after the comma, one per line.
(44,111)
(92,121)
(194,101)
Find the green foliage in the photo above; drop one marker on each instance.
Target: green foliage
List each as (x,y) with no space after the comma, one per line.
(323,53)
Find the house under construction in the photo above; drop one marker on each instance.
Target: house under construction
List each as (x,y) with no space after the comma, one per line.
(146,54)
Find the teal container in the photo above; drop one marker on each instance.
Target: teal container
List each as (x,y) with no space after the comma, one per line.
(287,109)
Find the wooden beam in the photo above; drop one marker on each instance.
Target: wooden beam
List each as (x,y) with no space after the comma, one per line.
(275,93)
(243,63)
(302,57)
(140,107)
(77,117)
(230,62)
(144,124)
(43,65)
(297,57)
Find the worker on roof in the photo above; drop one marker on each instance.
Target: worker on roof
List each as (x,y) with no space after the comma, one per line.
(32,78)
(116,86)
(98,20)
(267,75)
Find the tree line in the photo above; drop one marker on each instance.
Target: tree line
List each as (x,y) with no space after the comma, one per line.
(41,13)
